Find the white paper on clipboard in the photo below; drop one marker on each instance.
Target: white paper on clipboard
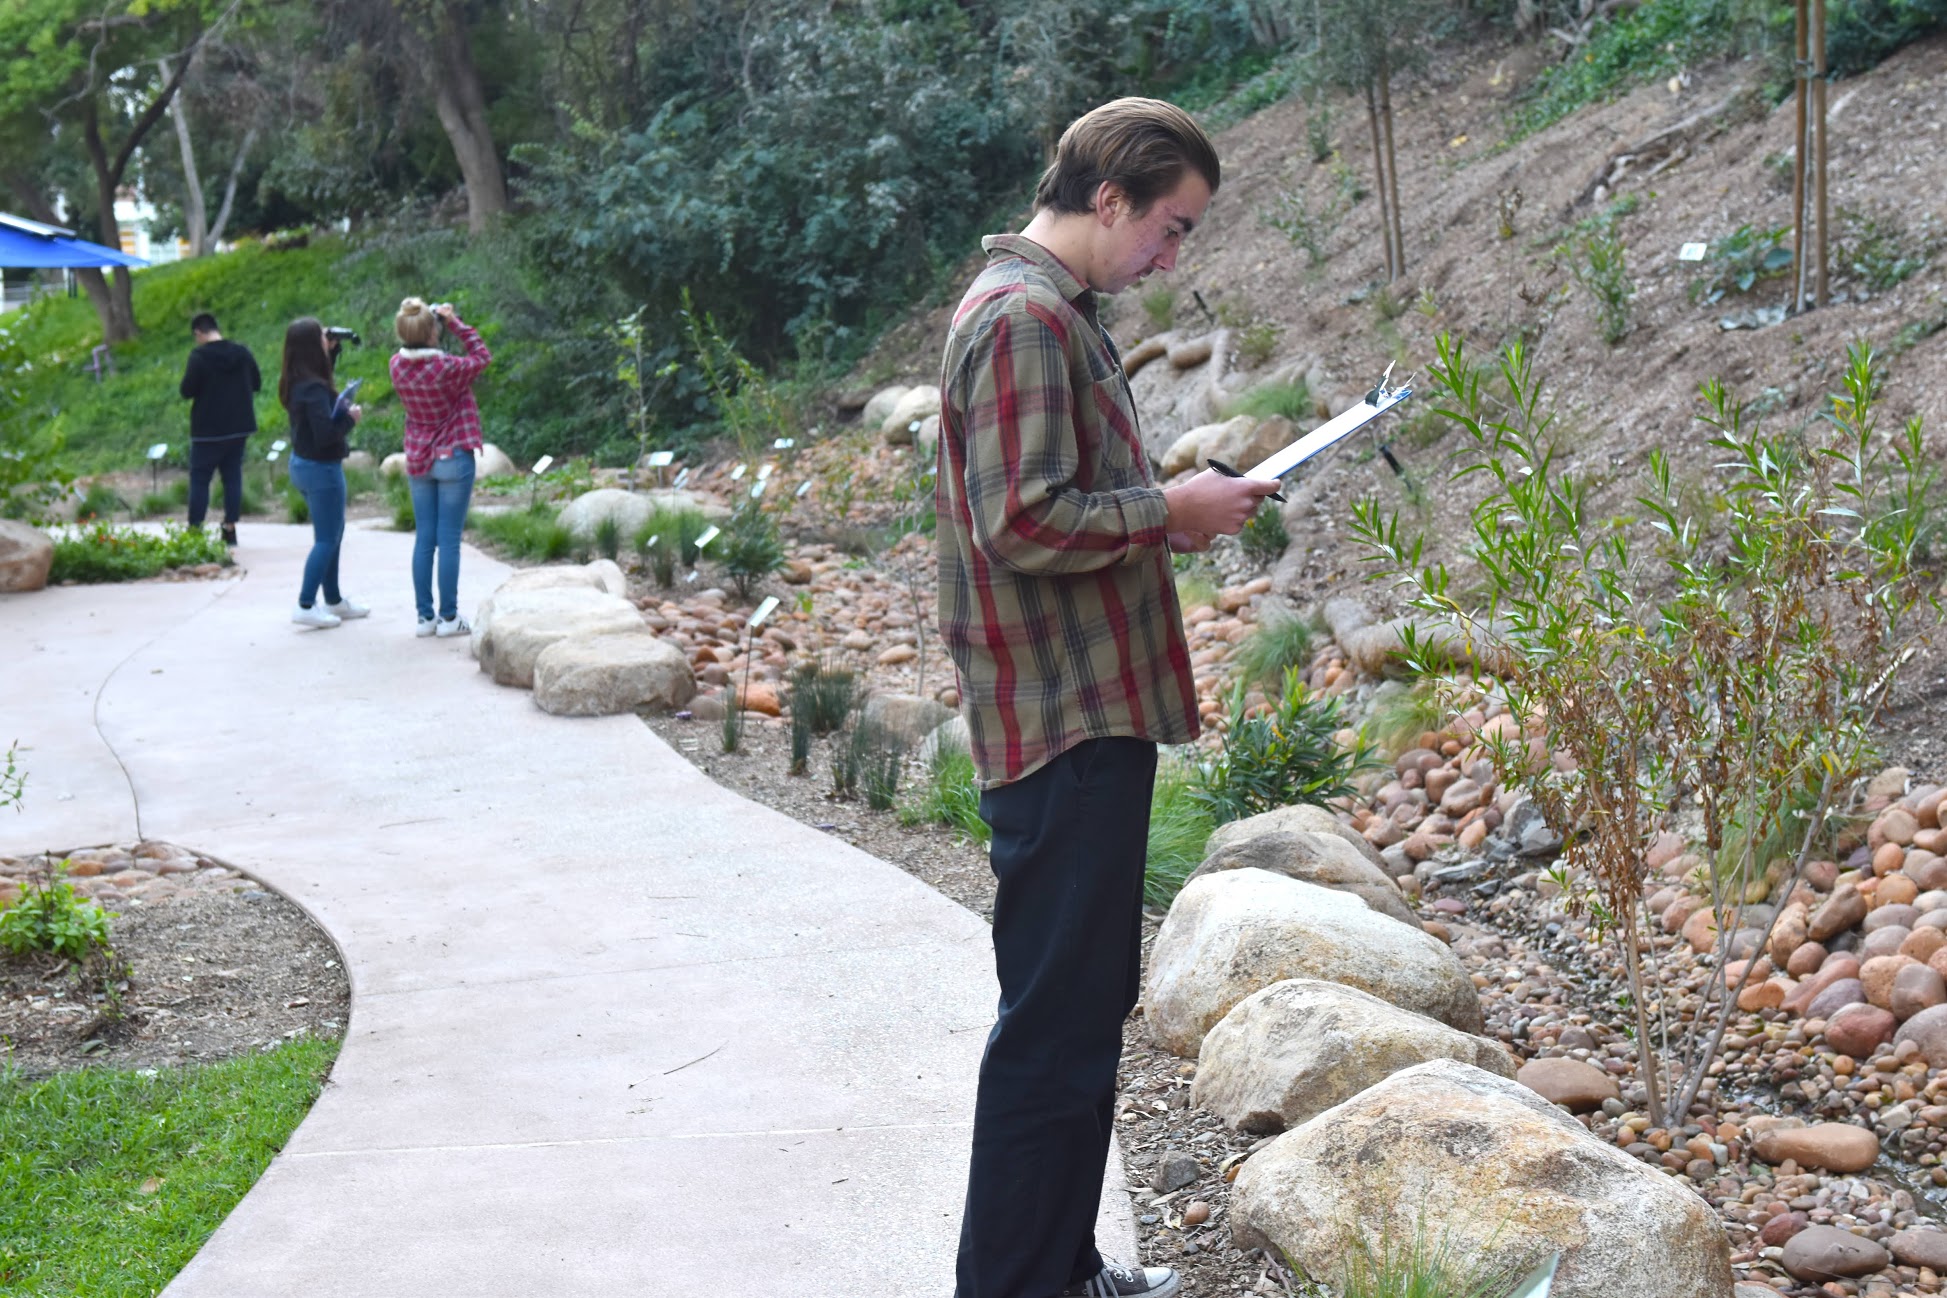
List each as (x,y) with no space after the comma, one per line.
(1281,464)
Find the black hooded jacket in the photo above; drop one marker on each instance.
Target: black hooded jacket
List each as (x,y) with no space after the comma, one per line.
(221,379)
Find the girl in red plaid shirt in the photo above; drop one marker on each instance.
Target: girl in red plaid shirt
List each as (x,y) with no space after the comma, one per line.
(442,435)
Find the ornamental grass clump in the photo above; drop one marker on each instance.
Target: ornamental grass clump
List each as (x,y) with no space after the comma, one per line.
(1726,654)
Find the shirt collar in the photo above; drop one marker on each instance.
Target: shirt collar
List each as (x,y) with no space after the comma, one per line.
(1067,283)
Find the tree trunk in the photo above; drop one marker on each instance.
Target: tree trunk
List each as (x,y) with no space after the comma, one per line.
(113,300)
(1799,159)
(1824,290)
(1392,166)
(462,109)
(230,187)
(195,212)
(1379,167)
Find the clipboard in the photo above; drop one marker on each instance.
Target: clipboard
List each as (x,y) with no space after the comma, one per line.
(1281,464)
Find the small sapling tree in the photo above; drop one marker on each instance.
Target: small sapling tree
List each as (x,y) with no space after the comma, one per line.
(1665,664)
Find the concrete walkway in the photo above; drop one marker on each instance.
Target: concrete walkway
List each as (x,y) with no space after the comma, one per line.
(614,1029)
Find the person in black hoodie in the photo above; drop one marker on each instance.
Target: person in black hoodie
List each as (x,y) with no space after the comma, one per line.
(220,382)
(318,450)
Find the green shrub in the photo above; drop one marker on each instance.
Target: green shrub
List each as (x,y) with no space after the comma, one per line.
(1257,341)
(822,694)
(398,495)
(1403,714)
(608,537)
(1739,260)
(668,536)
(1263,536)
(49,919)
(101,502)
(1879,251)
(108,553)
(750,548)
(1598,263)
(1275,761)
(881,759)
(1159,306)
(154,503)
(1290,398)
(949,795)
(1179,827)
(1307,223)
(1280,642)
(534,533)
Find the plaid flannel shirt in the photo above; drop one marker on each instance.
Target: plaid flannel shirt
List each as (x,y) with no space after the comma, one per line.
(436,388)
(1056,601)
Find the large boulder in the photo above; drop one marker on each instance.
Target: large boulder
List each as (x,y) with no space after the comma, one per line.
(1485,1167)
(1238,931)
(674,500)
(582,515)
(521,623)
(907,718)
(1173,401)
(951,733)
(881,405)
(26,557)
(602,574)
(1297,1048)
(394,466)
(917,403)
(1324,859)
(1301,818)
(1243,443)
(599,676)
(492,462)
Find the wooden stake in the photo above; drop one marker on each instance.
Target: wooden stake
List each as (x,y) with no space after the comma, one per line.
(1379,169)
(1818,148)
(1392,165)
(1799,160)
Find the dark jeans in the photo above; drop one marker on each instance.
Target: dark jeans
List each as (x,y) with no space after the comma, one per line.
(1069,843)
(212,455)
(439,502)
(323,484)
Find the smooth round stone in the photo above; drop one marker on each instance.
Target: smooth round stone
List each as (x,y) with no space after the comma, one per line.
(1892,915)
(1858,1030)
(1883,941)
(1820,1253)
(1932,919)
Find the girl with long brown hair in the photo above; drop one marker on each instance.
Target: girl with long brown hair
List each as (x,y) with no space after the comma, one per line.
(318,448)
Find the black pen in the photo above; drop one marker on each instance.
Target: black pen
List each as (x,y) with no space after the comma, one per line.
(1220,467)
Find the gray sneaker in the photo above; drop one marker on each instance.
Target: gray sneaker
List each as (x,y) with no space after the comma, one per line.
(1117,1281)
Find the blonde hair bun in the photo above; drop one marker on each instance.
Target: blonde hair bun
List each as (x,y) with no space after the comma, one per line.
(415,323)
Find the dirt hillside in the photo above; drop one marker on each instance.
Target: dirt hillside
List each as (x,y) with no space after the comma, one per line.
(1726,165)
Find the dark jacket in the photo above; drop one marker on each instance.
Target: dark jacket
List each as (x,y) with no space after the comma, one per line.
(220,379)
(314,433)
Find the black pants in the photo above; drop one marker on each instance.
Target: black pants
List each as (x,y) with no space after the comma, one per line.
(1069,843)
(211,455)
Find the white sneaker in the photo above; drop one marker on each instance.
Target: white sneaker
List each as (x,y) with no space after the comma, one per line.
(347,610)
(314,616)
(425,627)
(453,626)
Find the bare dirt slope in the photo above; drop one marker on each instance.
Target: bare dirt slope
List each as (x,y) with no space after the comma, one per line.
(1727,168)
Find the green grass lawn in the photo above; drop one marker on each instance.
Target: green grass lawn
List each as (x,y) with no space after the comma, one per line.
(110,1181)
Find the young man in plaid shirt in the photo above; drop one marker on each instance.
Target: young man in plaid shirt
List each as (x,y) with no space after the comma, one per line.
(1058,606)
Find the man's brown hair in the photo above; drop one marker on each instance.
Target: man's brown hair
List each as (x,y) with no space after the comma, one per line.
(1143,145)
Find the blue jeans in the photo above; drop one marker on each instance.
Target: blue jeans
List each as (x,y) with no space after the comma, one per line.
(439,502)
(323,485)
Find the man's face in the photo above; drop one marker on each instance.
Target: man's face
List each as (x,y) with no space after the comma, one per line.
(1133,247)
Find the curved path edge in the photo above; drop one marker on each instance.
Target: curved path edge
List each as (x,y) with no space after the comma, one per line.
(614,1029)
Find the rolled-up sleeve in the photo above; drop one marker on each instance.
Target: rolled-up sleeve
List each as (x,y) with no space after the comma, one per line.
(1022,460)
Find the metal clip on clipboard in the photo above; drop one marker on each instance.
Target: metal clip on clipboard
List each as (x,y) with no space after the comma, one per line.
(1282,464)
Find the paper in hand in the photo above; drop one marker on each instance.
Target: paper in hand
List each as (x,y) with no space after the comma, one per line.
(345,399)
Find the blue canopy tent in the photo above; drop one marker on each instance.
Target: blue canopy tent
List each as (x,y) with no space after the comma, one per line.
(30,245)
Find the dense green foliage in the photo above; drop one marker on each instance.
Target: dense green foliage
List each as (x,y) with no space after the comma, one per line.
(110,1181)
(49,918)
(105,552)
(1279,757)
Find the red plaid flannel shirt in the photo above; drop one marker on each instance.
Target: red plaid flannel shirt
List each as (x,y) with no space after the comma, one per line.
(436,388)
(1057,601)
